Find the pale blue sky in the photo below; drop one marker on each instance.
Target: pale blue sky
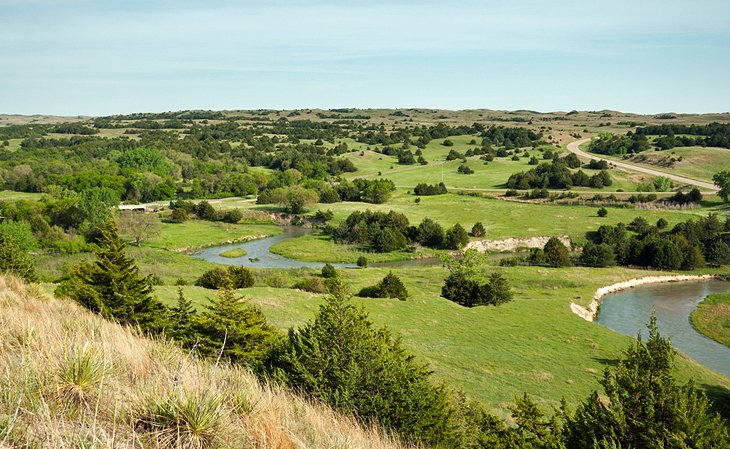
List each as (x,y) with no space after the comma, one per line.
(103,57)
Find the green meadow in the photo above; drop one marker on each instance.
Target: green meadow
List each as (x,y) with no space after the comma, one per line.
(534,343)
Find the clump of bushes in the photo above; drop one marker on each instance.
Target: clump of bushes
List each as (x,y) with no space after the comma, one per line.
(424,189)
(389,287)
(233,276)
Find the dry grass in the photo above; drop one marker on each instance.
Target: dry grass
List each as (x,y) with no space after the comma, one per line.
(70,379)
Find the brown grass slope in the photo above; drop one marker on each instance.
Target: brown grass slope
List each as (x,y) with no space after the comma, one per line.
(71,379)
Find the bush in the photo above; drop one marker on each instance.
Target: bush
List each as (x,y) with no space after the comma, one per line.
(214,279)
(477,230)
(178,215)
(232,216)
(661,223)
(602,212)
(456,237)
(15,261)
(389,287)
(241,277)
(465,169)
(362,262)
(328,271)
(392,287)
(233,277)
(556,253)
(599,256)
(312,285)
(429,233)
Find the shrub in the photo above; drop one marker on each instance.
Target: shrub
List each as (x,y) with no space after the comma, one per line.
(392,287)
(214,279)
(241,277)
(328,271)
(15,261)
(389,287)
(312,285)
(183,419)
(456,237)
(429,233)
(465,169)
(232,216)
(661,223)
(362,262)
(447,143)
(178,215)
(477,230)
(602,212)
(233,277)
(601,255)
(556,253)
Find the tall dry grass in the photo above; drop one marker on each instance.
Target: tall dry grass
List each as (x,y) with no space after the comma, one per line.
(69,379)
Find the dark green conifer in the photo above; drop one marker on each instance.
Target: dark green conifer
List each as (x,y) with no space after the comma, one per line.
(112,285)
(234,330)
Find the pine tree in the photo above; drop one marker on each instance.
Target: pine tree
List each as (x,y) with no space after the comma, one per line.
(341,359)
(234,330)
(113,287)
(181,319)
(643,406)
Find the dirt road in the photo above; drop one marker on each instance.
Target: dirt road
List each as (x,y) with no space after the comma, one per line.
(574,147)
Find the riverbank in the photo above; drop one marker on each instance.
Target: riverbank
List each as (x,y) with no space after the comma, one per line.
(513,244)
(712,318)
(589,313)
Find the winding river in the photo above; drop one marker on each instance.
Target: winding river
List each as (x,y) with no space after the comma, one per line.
(628,312)
(258,254)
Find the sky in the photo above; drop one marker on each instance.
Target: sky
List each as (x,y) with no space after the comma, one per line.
(102,57)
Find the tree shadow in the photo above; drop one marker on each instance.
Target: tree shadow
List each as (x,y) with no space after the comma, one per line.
(719,397)
(607,362)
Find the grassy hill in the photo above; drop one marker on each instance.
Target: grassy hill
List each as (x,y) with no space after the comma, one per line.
(71,379)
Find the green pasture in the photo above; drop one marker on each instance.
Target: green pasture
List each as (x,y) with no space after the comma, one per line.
(534,343)
(712,317)
(194,234)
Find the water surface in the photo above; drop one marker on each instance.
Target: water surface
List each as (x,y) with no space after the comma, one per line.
(628,312)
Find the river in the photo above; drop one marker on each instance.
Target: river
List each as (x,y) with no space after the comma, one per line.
(628,312)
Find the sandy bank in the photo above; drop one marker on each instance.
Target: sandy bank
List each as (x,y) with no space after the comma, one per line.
(511,244)
(589,313)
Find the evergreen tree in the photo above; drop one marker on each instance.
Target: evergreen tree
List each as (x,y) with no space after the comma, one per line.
(456,237)
(341,359)
(182,316)
(556,253)
(234,330)
(15,261)
(643,406)
(477,230)
(499,290)
(113,287)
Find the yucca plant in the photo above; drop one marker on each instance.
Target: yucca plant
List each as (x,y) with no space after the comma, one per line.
(189,420)
(79,374)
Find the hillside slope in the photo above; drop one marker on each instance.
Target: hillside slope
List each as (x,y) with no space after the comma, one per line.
(71,379)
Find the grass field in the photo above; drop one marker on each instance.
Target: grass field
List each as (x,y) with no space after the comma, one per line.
(315,248)
(712,318)
(10,195)
(697,162)
(194,234)
(490,176)
(534,343)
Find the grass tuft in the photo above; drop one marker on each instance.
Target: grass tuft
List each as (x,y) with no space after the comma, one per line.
(190,420)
